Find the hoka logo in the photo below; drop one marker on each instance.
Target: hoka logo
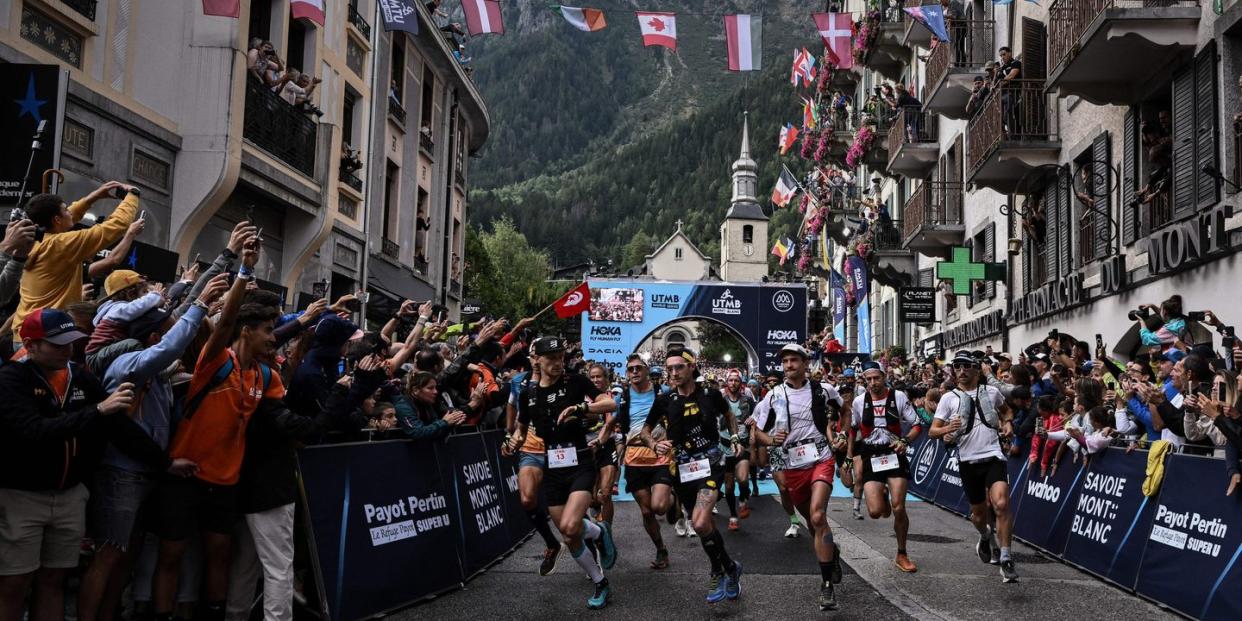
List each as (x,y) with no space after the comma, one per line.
(605,331)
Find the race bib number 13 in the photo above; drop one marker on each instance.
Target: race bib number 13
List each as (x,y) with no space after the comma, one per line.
(562,457)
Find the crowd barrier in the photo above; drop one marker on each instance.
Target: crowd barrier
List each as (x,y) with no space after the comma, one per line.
(391,523)
(1179,548)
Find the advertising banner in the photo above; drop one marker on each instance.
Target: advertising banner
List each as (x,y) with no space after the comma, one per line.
(1044,516)
(33,96)
(916,305)
(1110,516)
(1191,559)
(624,313)
(476,482)
(949,493)
(927,459)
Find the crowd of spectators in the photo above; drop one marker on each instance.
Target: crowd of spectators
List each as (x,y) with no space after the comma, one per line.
(288,83)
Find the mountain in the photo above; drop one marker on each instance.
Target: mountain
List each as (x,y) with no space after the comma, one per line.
(596,140)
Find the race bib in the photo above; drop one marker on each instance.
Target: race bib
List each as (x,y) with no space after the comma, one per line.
(802,455)
(880,463)
(562,457)
(694,470)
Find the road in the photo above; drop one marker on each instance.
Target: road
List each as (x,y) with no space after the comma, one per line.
(782,578)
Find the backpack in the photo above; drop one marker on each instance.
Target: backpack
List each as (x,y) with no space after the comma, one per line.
(193,401)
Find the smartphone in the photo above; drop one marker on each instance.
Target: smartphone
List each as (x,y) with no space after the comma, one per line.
(364,296)
(1099,342)
(17,214)
(1197,315)
(118,192)
(142,215)
(1204,388)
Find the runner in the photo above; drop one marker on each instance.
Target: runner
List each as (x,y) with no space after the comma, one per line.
(879,415)
(689,414)
(644,470)
(557,407)
(797,416)
(847,467)
(737,467)
(605,447)
(532,459)
(975,419)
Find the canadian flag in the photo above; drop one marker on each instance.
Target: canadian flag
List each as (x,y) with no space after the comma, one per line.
(575,302)
(659,29)
(837,31)
(307,9)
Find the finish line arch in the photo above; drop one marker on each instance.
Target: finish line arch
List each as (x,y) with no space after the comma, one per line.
(765,317)
(752,356)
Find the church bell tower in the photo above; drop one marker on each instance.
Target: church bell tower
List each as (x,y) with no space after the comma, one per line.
(744,232)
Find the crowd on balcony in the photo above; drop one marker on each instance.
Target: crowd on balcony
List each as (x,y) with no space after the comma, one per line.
(288,83)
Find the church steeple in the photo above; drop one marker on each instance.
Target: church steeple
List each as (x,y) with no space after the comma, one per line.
(745,171)
(744,232)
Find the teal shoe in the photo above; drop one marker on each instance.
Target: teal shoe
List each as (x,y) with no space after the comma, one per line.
(602,592)
(608,548)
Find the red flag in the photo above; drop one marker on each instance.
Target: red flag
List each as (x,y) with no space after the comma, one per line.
(576,302)
(836,29)
(658,29)
(483,17)
(307,9)
(223,8)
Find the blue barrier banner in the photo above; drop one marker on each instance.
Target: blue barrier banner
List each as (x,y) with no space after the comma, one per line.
(517,521)
(1191,559)
(467,464)
(949,493)
(378,512)
(927,459)
(1043,519)
(1017,470)
(1110,516)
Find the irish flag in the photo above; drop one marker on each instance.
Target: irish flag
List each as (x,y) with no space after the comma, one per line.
(307,9)
(483,17)
(586,20)
(658,29)
(789,135)
(743,38)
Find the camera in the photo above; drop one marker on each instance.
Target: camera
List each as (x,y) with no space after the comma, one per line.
(1138,314)
(17,214)
(1197,315)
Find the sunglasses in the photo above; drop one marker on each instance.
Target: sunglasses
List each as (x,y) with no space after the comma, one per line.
(964,365)
(635,368)
(675,367)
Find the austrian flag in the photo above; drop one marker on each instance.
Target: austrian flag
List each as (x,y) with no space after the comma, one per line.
(743,38)
(307,9)
(483,17)
(658,29)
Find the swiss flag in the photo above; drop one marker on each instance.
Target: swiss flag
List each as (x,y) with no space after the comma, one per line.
(659,29)
(576,302)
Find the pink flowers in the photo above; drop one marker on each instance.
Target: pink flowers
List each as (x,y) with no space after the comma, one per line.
(858,149)
(804,262)
(821,150)
(808,144)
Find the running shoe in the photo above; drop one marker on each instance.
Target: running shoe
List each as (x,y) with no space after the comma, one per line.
(690,532)
(733,524)
(995,554)
(1008,572)
(716,510)
(792,531)
(661,559)
(717,591)
(984,549)
(602,592)
(681,527)
(608,548)
(827,597)
(858,513)
(733,586)
(550,556)
(743,510)
(904,563)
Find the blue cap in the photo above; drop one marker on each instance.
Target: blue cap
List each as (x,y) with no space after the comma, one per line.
(848,373)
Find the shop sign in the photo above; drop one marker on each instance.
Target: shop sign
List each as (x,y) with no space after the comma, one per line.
(1182,245)
(1054,297)
(976,329)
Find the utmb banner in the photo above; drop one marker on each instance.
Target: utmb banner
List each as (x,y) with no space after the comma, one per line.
(625,312)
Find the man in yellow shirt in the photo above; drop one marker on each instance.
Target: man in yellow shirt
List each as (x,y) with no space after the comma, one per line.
(53,275)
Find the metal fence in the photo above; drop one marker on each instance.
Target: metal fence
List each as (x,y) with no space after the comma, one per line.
(1069,19)
(1017,110)
(277,127)
(933,204)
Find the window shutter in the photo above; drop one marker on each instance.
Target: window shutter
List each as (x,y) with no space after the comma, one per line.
(1208,191)
(1129,184)
(1064,239)
(1028,264)
(926,279)
(1034,49)
(1052,212)
(1102,155)
(989,254)
(970,297)
(1183,143)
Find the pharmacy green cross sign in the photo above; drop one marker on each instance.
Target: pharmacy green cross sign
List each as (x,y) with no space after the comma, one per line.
(962,271)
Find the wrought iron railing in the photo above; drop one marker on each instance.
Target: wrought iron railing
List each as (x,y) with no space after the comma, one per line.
(390,249)
(1017,111)
(933,204)
(425,141)
(888,236)
(1069,19)
(395,109)
(912,126)
(969,47)
(277,127)
(359,21)
(84,7)
(350,178)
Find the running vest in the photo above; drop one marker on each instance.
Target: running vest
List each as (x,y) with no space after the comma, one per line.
(819,409)
(892,421)
(966,408)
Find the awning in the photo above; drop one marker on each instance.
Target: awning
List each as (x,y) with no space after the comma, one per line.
(397,283)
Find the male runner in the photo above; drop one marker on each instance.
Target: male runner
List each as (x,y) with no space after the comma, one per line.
(847,467)
(644,469)
(974,418)
(797,416)
(879,415)
(737,467)
(689,413)
(605,450)
(532,459)
(557,407)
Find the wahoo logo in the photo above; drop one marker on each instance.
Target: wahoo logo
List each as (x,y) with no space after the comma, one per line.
(1043,491)
(605,331)
(782,335)
(726,304)
(666,300)
(925,461)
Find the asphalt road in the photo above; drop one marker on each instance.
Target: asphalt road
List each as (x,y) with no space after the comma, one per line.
(781,578)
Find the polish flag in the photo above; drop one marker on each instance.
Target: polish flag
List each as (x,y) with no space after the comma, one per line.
(743,37)
(837,31)
(658,29)
(483,17)
(222,8)
(307,9)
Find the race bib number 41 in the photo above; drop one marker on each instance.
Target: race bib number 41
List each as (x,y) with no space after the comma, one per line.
(694,470)
(802,455)
(562,457)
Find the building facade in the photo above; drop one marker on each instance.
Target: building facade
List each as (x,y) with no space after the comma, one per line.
(1102,176)
(159,95)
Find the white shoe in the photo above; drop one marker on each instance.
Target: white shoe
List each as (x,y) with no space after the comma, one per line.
(681,528)
(792,531)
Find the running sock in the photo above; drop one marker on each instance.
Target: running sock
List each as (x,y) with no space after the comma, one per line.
(1004,555)
(754,484)
(744,492)
(590,530)
(714,546)
(857,503)
(731,500)
(587,563)
(825,571)
(539,517)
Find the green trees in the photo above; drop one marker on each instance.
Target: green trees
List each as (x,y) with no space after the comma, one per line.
(505,273)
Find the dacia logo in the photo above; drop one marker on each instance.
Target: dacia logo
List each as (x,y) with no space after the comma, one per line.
(606,351)
(782,335)
(605,331)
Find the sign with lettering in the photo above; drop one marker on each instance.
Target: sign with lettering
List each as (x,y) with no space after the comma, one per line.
(1111,516)
(32,95)
(78,139)
(150,170)
(1182,245)
(916,304)
(1113,275)
(1044,518)
(976,329)
(1054,297)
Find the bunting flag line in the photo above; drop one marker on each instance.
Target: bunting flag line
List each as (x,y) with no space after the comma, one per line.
(584,19)
(810,116)
(931,16)
(786,187)
(658,29)
(789,136)
(803,68)
(780,250)
(307,9)
(837,31)
(222,8)
(483,17)
(744,40)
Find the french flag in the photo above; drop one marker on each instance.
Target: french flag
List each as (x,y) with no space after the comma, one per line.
(307,9)
(483,17)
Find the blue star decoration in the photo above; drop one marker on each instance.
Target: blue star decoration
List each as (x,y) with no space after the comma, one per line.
(30,105)
(133,258)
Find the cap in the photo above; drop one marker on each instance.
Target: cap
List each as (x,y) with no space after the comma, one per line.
(795,349)
(1172,354)
(683,353)
(657,370)
(871,365)
(848,373)
(51,325)
(120,279)
(965,357)
(991,64)
(549,345)
(1040,356)
(148,322)
(1003,356)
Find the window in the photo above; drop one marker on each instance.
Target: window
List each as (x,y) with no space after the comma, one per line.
(260,19)
(675,338)
(422,228)
(301,51)
(397,90)
(429,98)
(983,248)
(748,234)
(391,203)
(677,254)
(347,117)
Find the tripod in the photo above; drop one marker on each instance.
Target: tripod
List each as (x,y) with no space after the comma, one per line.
(36,146)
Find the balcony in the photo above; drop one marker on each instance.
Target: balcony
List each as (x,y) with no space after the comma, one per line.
(886,54)
(913,146)
(85,8)
(916,33)
(459,178)
(425,142)
(280,129)
(390,249)
(892,263)
(933,217)
(359,22)
(1012,134)
(349,176)
(1108,51)
(396,111)
(952,67)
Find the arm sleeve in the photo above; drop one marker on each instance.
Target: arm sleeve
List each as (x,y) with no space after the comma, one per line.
(10,276)
(129,311)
